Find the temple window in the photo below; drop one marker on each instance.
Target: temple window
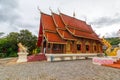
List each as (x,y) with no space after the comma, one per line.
(78,47)
(87,47)
(95,48)
(57,47)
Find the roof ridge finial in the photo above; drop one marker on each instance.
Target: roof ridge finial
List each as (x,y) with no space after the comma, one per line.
(59,10)
(39,9)
(85,17)
(74,14)
(50,9)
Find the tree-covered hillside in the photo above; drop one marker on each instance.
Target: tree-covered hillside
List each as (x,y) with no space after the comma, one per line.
(114,41)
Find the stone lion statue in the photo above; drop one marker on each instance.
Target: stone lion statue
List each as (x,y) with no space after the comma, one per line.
(22,48)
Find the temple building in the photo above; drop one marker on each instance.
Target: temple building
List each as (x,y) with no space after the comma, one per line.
(63,34)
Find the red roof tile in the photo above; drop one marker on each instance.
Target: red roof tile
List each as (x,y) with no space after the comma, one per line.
(82,34)
(58,21)
(75,23)
(59,27)
(65,34)
(47,22)
(54,38)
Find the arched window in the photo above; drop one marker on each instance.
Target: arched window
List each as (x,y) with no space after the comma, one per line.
(87,48)
(78,47)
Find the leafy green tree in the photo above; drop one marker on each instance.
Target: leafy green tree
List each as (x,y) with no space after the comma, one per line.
(114,41)
(8,44)
(3,47)
(12,44)
(27,39)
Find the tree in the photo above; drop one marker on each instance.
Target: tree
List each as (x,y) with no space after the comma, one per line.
(114,41)
(27,39)
(1,33)
(3,47)
(8,44)
(12,44)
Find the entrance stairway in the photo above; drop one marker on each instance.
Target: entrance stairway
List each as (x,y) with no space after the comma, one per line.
(38,57)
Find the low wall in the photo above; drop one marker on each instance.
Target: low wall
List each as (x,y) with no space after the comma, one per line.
(103,60)
(61,57)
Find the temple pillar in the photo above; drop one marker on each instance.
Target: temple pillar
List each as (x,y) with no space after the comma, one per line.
(64,48)
(51,48)
(42,51)
(46,47)
(91,46)
(87,46)
(83,46)
(75,47)
(68,47)
(42,44)
(101,50)
(97,47)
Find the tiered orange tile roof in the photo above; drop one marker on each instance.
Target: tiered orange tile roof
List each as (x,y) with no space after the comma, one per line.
(75,23)
(82,34)
(78,28)
(65,34)
(54,38)
(61,29)
(47,22)
(49,29)
(58,28)
(58,21)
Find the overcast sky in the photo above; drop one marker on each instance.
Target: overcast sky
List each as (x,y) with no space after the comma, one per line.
(102,15)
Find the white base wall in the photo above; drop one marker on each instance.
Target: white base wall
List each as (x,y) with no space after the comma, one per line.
(61,57)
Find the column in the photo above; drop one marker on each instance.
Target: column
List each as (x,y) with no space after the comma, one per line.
(91,46)
(83,46)
(97,47)
(51,48)
(42,51)
(75,47)
(64,48)
(46,47)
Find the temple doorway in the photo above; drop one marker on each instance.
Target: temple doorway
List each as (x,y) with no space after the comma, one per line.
(58,48)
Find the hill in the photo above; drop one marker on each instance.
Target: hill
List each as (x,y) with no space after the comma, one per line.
(114,40)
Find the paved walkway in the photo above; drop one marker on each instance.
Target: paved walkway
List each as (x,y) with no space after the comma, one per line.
(64,70)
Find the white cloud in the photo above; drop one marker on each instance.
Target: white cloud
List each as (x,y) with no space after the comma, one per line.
(23,14)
